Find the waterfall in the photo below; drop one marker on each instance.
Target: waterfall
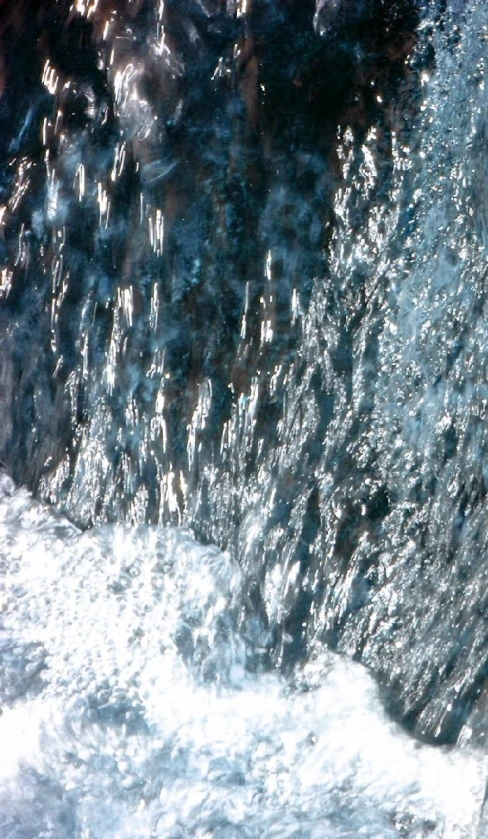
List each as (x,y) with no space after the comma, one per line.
(242,398)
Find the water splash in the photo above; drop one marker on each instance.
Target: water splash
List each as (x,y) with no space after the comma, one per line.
(128,708)
(243,297)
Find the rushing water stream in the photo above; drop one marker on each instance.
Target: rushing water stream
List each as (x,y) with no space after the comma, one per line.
(243,261)
(129,712)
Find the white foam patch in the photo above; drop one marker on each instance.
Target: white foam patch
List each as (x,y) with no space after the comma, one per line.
(128,711)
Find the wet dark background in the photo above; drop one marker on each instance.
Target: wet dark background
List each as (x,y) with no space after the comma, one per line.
(204,207)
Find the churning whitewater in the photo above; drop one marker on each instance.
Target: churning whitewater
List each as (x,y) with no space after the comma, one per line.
(130,711)
(243,419)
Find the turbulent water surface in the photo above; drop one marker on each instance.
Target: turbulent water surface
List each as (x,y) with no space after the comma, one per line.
(243,260)
(129,711)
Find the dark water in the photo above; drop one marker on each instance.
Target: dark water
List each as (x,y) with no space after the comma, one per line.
(242,289)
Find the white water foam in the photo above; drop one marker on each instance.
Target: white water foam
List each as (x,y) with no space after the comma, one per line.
(128,711)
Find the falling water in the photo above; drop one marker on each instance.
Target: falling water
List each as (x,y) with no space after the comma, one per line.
(242,298)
